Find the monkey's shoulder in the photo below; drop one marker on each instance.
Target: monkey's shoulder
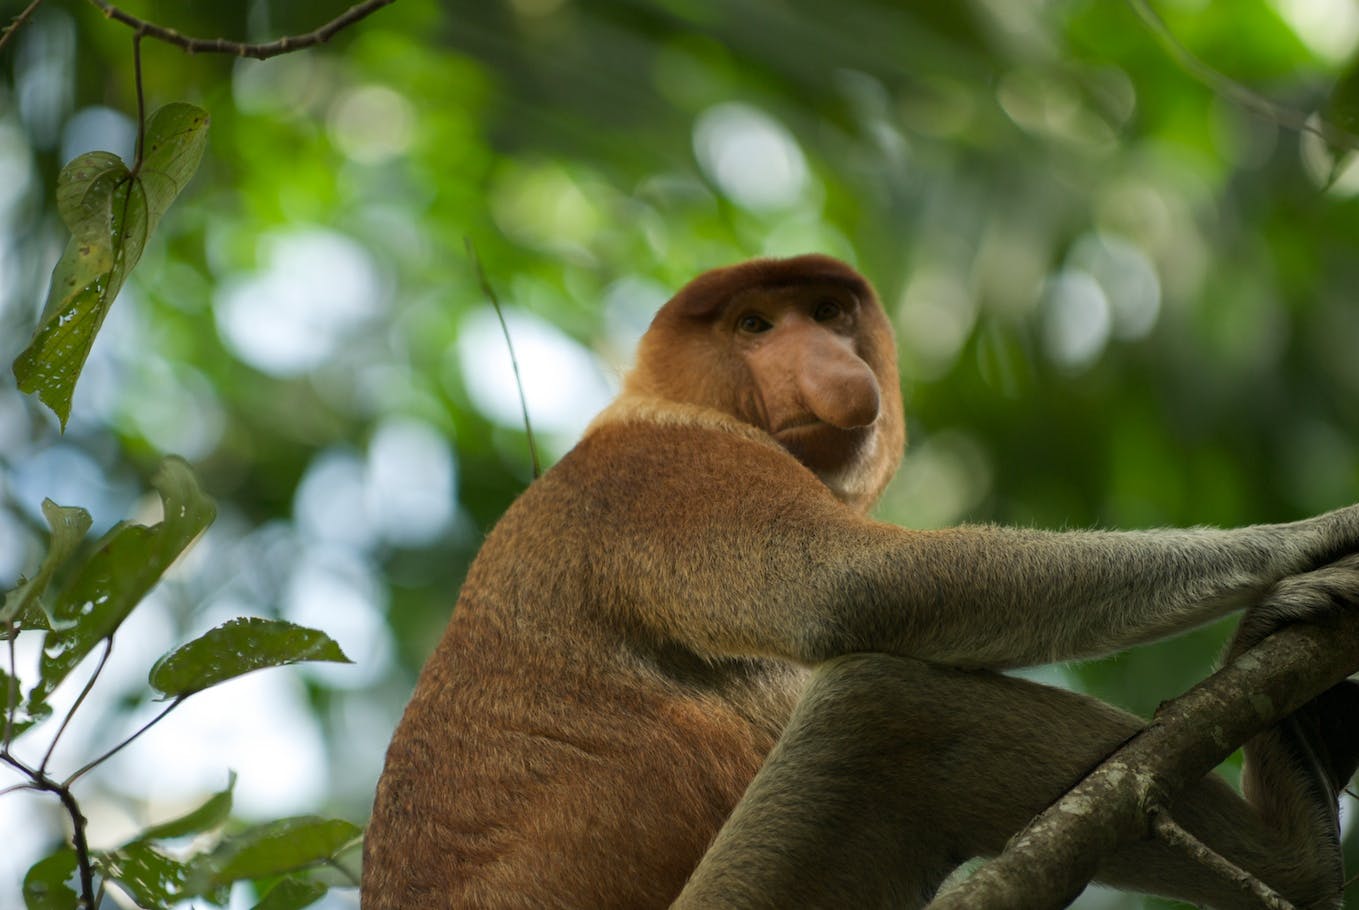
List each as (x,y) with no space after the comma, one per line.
(668,470)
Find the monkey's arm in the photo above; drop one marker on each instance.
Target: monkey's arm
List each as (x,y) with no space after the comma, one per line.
(996,597)
(732,547)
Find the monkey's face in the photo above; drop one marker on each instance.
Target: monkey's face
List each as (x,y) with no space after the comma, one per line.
(809,385)
(798,347)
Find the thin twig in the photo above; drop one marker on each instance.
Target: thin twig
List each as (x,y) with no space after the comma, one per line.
(17,23)
(257,51)
(89,684)
(11,696)
(18,764)
(514,361)
(342,870)
(1235,91)
(124,744)
(141,115)
(1169,832)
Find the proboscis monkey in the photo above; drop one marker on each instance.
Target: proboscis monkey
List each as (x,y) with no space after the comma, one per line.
(639,628)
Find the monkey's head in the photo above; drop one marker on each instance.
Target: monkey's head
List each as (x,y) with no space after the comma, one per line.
(800,348)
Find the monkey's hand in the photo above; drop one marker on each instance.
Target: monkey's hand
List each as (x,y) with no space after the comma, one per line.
(1311,597)
(1315,750)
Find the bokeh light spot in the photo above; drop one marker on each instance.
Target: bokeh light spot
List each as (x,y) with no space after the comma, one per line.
(751,157)
(372,123)
(563,382)
(316,288)
(1076,320)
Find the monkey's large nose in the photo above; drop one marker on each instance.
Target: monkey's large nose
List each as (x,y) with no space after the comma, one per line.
(837,386)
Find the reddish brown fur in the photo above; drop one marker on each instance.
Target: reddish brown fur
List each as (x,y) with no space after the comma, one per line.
(630,642)
(536,689)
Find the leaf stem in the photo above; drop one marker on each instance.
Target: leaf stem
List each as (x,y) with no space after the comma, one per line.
(342,870)
(89,684)
(514,361)
(124,744)
(12,695)
(141,111)
(15,788)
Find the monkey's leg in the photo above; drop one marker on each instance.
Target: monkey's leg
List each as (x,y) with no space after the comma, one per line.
(892,771)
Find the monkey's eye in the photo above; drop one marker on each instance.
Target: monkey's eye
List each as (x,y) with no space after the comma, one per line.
(826,310)
(754,324)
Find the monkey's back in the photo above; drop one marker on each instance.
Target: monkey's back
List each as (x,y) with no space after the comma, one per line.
(553,754)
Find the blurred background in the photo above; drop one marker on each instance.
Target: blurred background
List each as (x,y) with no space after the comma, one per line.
(1122,300)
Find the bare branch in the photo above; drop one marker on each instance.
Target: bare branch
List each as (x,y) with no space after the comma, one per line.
(88,766)
(257,51)
(42,782)
(1169,832)
(1234,91)
(81,845)
(1048,863)
(17,23)
(80,700)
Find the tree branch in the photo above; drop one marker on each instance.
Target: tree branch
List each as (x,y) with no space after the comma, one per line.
(257,51)
(1048,863)
(1236,92)
(1169,832)
(17,22)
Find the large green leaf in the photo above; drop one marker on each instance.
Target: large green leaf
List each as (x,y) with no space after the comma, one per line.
(1342,111)
(23,605)
(69,525)
(1342,108)
(153,878)
(236,647)
(292,894)
(128,561)
(274,848)
(110,212)
(212,814)
(46,885)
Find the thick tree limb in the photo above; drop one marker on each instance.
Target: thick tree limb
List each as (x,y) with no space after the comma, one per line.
(1048,863)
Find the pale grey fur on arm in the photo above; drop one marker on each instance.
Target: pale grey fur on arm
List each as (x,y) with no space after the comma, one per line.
(999,597)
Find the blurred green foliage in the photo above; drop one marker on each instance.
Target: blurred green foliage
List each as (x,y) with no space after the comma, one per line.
(1123,299)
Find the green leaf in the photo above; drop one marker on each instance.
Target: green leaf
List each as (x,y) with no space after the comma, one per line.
(150,876)
(110,212)
(274,848)
(1343,107)
(127,562)
(69,525)
(292,894)
(12,700)
(47,884)
(236,647)
(212,814)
